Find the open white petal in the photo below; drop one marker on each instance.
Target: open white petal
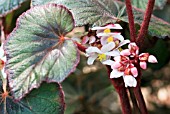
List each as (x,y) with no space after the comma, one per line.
(123,43)
(108,62)
(113,53)
(108,47)
(91,59)
(109,26)
(119,37)
(116,74)
(129,81)
(108,34)
(103,40)
(3,73)
(117,58)
(93,49)
(1,51)
(4,58)
(92,39)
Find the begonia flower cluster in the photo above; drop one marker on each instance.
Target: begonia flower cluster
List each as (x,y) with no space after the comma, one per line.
(106,46)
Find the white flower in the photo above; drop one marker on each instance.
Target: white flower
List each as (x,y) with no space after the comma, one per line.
(109,26)
(102,54)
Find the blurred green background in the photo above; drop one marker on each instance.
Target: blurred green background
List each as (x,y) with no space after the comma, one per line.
(89,91)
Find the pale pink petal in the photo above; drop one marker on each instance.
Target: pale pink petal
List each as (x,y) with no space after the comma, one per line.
(91,59)
(117,58)
(119,37)
(98,28)
(108,47)
(115,65)
(125,52)
(92,39)
(113,53)
(131,44)
(143,65)
(1,51)
(4,58)
(116,74)
(108,62)
(3,73)
(85,40)
(108,34)
(123,43)
(103,40)
(92,49)
(114,26)
(152,59)
(134,71)
(109,26)
(129,81)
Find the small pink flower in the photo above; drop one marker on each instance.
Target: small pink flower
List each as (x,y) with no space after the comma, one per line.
(124,65)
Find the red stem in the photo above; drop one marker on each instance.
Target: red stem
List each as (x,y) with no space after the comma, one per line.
(81,47)
(138,93)
(131,21)
(118,83)
(141,101)
(145,23)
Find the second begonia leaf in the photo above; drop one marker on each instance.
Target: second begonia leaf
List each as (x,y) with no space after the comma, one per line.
(101,12)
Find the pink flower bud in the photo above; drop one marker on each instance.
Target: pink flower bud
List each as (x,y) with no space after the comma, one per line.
(116,65)
(134,71)
(143,65)
(152,59)
(143,56)
(125,52)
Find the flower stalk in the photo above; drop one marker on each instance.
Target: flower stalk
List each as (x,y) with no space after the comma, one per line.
(131,21)
(121,90)
(145,23)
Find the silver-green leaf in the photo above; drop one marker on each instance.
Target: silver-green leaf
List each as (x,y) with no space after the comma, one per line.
(37,50)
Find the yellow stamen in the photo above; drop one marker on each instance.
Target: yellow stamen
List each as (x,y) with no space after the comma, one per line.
(107,31)
(110,39)
(120,49)
(101,57)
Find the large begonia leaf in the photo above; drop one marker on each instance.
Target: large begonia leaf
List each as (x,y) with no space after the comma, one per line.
(159,4)
(101,12)
(8,5)
(48,99)
(37,50)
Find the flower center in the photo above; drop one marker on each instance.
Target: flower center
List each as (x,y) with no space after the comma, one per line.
(101,57)
(110,39)
(107,31)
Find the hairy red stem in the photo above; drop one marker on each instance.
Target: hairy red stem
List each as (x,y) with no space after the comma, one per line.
(131,21)
(81,47)
(141,101)
(119,85)
(138,93)
(145,23)
(136,109)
